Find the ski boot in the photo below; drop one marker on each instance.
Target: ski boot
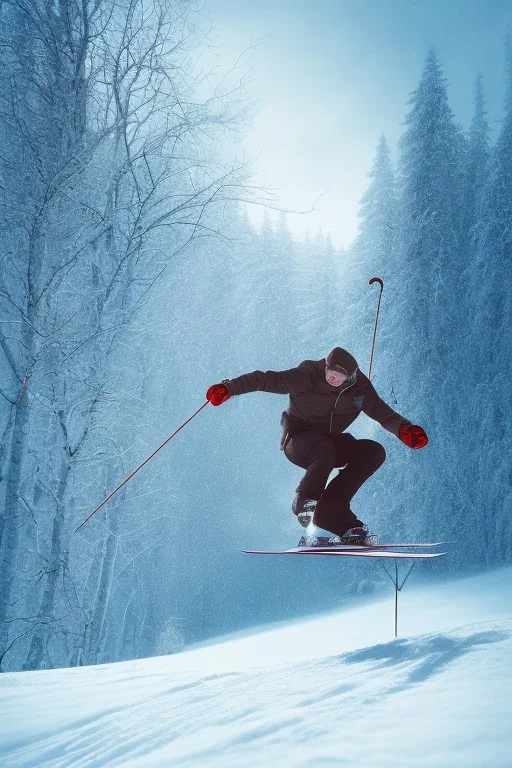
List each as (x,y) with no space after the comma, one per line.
(354,537)
(359,536)
(318,537)
(304,509)
(319,540)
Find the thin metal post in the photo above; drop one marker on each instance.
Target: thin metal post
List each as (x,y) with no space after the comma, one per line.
(396,599)
(398,587)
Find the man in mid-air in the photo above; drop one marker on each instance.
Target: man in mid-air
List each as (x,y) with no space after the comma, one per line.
(326,396)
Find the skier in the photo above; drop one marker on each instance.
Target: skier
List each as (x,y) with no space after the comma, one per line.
(326,396)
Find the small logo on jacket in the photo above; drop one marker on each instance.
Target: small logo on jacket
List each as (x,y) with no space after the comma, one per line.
(358,402)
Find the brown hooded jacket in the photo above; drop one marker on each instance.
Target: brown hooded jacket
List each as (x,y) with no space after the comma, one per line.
(314,403)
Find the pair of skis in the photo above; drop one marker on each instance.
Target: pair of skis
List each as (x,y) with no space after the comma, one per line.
(386,551)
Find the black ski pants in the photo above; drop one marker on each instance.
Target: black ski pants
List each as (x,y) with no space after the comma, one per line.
(319,453)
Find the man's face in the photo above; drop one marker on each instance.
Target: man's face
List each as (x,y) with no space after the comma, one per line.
(335,376)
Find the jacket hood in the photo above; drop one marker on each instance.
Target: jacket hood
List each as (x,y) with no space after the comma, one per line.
(341,357)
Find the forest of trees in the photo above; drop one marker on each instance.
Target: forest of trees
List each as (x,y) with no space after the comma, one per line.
(131,279)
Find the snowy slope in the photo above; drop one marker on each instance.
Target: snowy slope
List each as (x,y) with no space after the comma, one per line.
(330,691)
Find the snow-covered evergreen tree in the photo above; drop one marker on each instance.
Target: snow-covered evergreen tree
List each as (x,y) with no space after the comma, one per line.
(475,168)
(373,255)
(430,317)
(373,246)
(490,309)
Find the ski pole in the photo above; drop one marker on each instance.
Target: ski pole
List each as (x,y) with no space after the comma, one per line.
(375,280)
(134,472)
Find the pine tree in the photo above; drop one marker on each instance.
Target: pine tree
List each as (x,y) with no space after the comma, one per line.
(372,253)
(476,163)
(428,320)
(374,243)
(430,162)
(491,308)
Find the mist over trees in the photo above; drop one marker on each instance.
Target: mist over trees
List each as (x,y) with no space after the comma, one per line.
(132,279)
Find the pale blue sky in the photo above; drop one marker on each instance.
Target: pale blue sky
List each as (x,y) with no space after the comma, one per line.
(332,75)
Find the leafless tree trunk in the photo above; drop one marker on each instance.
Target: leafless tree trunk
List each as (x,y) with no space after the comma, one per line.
(120,155)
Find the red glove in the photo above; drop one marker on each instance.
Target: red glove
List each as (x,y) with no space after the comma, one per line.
(218,394)
(413,436)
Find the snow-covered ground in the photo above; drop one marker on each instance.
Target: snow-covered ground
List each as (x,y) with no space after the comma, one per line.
(335,690)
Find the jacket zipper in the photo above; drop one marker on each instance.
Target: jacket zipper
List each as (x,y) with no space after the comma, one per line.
(336,403)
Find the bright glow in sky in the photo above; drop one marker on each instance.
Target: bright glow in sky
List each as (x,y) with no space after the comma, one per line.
(333,75)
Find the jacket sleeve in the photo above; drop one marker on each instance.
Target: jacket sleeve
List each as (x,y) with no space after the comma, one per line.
(377,409)
(280,382)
